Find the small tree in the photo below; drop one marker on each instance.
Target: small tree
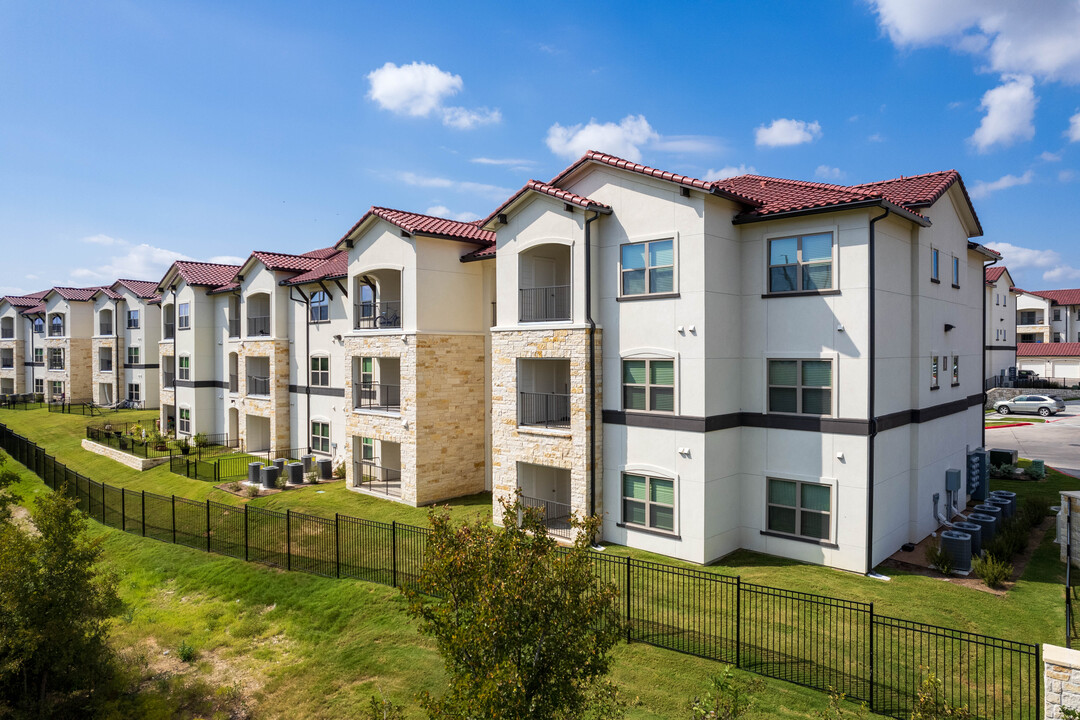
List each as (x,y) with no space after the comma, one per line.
(54,604)
(930,704)
(7,479)
(525,629)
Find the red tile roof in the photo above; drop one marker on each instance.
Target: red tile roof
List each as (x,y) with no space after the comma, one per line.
(24,301)
(545,189)
(33,309)
(199,273)
(418,224)
(77,294)
(781,195)
(335,266)
(142,289)
(1047,349)
(286,262)
(1058,297)
(993,274)
(914,190)
(323,253)
(109,293)
(483,253)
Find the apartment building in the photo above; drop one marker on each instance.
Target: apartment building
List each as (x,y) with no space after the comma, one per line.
(1048,316)
(21,330)
(790,367)
(1001,317)
(1055,362)
(66,343)
(127,328)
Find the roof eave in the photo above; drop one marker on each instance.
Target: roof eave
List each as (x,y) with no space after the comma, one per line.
(840,207)
(983,250)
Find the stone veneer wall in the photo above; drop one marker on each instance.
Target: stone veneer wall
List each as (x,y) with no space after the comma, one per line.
(276,407)
(77,373)
(109,378)
(18,371)
(450,406)
(567,449)
(398,428)
(1061,673)
(123,458)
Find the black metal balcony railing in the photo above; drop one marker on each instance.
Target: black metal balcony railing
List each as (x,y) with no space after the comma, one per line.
(168,380)
(258,325)
(547,409)
(371,477)
(169,331)
(56,331)
(557,515)
(377,396)
(56,364)
(544,303)
(105,365)
(105,329)
(234,327)
(7,334)
(377,314)
(234,383)
(257,385)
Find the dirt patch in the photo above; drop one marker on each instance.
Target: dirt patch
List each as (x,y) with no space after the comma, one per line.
(161,662)
(240,490)
(20,516)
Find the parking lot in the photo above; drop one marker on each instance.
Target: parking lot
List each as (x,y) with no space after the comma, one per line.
(1056,441)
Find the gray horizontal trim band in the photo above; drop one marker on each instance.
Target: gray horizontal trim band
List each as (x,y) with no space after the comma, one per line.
(325,391)
(200,384)
(1001,347)
(136,366)
(812,541)
(34,364)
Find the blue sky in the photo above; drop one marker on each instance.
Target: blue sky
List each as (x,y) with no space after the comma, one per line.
(133,133)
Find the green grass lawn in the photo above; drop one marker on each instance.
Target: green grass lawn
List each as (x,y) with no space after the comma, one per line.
(1032,611)
(310,647)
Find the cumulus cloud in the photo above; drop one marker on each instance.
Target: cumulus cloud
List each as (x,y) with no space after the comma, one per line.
(784,132)
(1049,262)
(511,162)
(825,172)
(1010,36)
(1073,133)
(729,171)
(101,240)
(1010,113)
(139,262)
(1048,156)
(981,189)
(420,89)
(624,139)
(445,212)
(488,191)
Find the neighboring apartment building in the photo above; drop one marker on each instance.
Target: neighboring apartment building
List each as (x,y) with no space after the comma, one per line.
(1048,316)
(66,343)
(1056,362)
(789,367)
(127,327)
(1001,316)
(20,342)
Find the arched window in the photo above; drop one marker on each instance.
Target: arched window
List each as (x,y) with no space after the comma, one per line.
(320,307)
(56,325)
(39,325)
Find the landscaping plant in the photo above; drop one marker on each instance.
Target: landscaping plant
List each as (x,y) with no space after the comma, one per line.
(7,479)
(992,571)
(930,704)
(938,558)
(339,471)
(185,652)
(729,697)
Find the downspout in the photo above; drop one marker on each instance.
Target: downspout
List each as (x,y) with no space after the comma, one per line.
(592,361)
(984,336)
(870,404)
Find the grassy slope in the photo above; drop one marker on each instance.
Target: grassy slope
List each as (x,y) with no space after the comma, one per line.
(317,648)
(1033,611)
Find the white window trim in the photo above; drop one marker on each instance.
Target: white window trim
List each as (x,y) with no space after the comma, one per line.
(657,472)
(637,239)
(191,420)
(329,435)
(180,357)
(314,356)
(177,315)
(834,488)
(934,251)
(797,232)
(935,382)
(834,357)
(650,353)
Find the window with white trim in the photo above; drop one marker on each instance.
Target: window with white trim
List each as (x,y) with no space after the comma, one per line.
(935,268)
(184,368)
(799,509)
(133,319)
(1057,314)
(320,437)
(649,385)
(320,371)
(800,386)
(134,392)
(39,355)
(39,325)
(648,267)
(133,355)
(803,263)
(183,316)
(39,385)
(367,449)
(184,424)
(56,358)
(320,307)
(648,501)
(57,388)
(934,371)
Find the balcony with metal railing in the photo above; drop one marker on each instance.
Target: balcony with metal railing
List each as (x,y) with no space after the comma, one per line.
(375,479)
(105,329)
(557,515)
(539,304)
(259,326)
(105,364)
(168,380)
(234,327)
(544,409)
(258,385)
(7,362)
(377,314)
(377,396)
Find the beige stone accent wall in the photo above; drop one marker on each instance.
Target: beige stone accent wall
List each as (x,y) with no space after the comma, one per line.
(77,374)
(123,458)
(276,407)
(109,378)
(566,449)
(18,371)
(1061,672)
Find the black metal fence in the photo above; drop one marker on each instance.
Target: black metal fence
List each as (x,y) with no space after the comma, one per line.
(812,640)
(24,401)
(220,463)
(139,439)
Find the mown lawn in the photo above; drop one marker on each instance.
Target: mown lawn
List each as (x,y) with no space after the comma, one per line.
(304,646)
(1032,611)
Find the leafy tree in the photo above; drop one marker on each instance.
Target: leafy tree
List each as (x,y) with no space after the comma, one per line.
(7,479)
(54,604)
(729,697)
(525,628)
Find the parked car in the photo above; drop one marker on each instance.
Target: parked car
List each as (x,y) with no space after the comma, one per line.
(1045,405)
(1026,375)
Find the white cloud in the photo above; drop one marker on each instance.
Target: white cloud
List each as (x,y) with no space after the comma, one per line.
(1066,176)
(1010,112)
(784,132)
(227,260)
(489,191)
(685,144)
(514,162)
(729,171)
(1018,258)
(445,212)
(419,89)
(1048,156)
(1010,36)
(981,189)
(11,290)
(138,262)
(624,140)
(828,173)
(1073,133)
(102,240)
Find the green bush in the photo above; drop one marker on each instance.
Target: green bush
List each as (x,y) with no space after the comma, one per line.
(185,652)
(939,559)
(1034,511)
(992,571)
(1011,540)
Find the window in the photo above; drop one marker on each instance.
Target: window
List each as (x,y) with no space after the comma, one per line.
(39,325)
(39,356)
(56,358)
(367,449)
(320,307)
(133,355)
(648,267)
(934,372)
(56,326)
(1059,337)
(799,263)
(185,421)
(320,437)
(649,502)
(1027,317)
(184,364)
(934,266)
(649,385)
(367,375)
(799,508)
(57,388)
(133,319)
(800,386)
(1005,335)
(39,385)
(320,372)
(997,299)
(955,370)
(183,316)
(133,392)
(1057,314)
(955,272)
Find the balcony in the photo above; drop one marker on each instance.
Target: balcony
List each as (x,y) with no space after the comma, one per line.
(105,365)
(168,330)
(234,383)
(259,326)
(56,331)
(56,364)
(538,304)
(556,515)
(168,380)
(258,385)
(377,314)
(234,327)
(7,363)
(544,409)
(7,334)
(548,490)
(377,396)
(373,478)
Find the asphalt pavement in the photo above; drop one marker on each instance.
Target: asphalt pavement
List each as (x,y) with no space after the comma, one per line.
(1056,442)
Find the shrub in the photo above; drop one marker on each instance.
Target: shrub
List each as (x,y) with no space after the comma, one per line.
(253,491)
(992,571)
(1010,540)
(932,706)
(339,471)
(729,697)
(231,487)
(1036,472)
(281,481)
(383,709)
(312,478)
(185,652)
(201,440)
(939,559)
(1034,511)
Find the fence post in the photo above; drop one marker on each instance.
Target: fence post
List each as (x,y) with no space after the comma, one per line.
(337,549)
(207,526)
(173,519)
(393,553)
(628,561)
(245,533)
(102,503)
(142,501)
(738,621)
(871,644)
(288,539)
(123,510)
